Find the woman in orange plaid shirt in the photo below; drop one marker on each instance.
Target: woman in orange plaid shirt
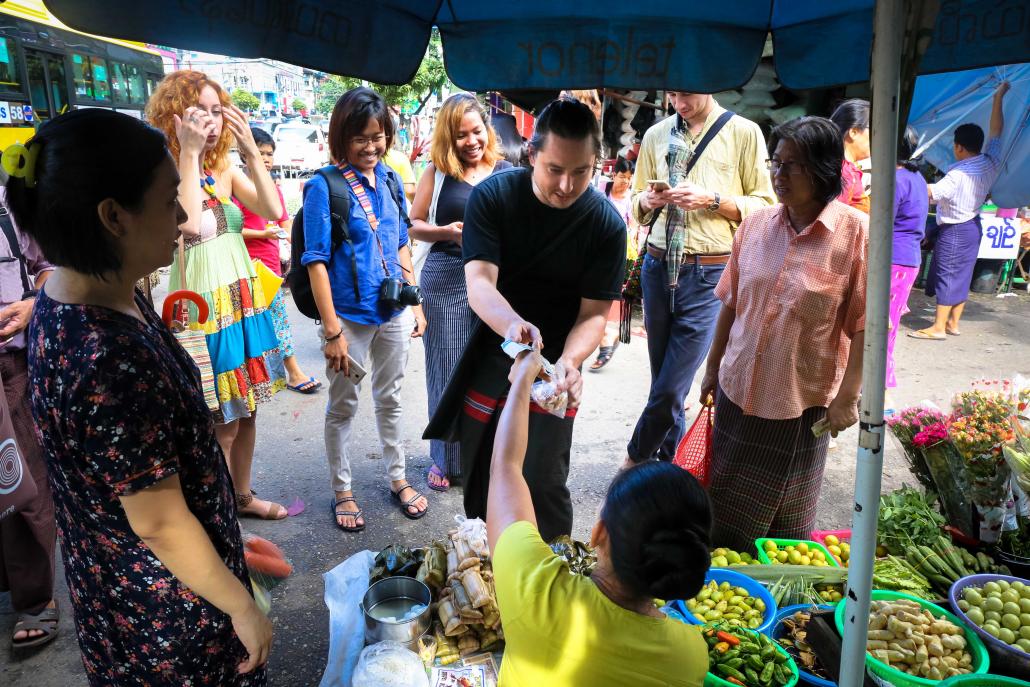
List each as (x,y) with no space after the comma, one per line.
(788,343)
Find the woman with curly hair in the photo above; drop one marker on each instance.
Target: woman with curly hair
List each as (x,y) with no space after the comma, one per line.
(200,122)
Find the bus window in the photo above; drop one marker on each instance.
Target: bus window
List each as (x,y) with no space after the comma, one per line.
(130,77)
(119,84)
(9,72)
(91,78)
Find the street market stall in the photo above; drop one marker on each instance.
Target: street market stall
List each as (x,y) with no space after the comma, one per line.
(663,44)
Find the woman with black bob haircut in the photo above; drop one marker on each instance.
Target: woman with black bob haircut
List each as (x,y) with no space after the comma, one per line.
(652,542)
(348,281)
(145,506)
(787,348)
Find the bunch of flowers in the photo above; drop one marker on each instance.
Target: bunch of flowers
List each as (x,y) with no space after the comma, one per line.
(981,424)
(915,429)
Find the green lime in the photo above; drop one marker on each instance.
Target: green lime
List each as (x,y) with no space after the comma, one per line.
(1010,596)
(1024,632)
(1010,607)
(992,588)
(1006,635)
(973,596)
(976,616)
(993,603)
(1010,621)
(769,545)
(1023,644)
(993,616)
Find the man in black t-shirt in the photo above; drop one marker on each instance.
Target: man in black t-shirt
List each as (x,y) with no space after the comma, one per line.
(544,258)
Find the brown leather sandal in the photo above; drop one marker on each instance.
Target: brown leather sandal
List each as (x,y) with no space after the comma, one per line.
(244,500)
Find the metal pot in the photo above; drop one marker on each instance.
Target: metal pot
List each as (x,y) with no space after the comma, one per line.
(390,589)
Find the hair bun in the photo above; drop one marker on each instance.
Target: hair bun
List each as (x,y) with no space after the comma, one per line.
(671,567)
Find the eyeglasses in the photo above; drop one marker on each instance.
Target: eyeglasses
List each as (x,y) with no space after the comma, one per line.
(790,168)
(362,142)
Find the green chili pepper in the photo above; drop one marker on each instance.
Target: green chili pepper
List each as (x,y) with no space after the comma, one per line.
(766,676)
(730,672)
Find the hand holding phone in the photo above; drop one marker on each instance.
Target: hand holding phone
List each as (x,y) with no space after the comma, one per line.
(658,185)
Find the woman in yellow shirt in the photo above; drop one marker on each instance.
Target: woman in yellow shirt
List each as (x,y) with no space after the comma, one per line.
(652,539)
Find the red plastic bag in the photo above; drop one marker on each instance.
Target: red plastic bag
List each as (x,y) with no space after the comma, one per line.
(694,454)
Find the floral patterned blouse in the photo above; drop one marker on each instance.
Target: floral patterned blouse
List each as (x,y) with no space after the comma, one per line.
(119,408)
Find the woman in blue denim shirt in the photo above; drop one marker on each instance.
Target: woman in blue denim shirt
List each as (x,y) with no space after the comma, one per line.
(356,322)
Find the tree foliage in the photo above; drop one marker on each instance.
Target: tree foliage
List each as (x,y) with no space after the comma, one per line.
(297,105)
(245,100)
(429,78)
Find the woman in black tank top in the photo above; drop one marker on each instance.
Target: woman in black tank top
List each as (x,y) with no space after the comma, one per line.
(464,151)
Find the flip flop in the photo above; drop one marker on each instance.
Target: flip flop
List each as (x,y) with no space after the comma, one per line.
(309,387)
(334,502)
(46,621)
(604,356)
(436,471)
(244,500)
(953,332)
(410,503)
(926,337)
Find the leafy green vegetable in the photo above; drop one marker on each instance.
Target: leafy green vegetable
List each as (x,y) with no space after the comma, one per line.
(906,518)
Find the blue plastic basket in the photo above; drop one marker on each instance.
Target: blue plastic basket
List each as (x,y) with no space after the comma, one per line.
(1002,655)
(755,589)
(804,678)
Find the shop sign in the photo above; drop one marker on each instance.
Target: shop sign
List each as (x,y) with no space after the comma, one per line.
(1000,239)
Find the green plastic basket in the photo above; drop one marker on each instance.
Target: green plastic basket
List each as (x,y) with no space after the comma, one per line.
(983,681)
(981,661)
(783,543)
(712,680)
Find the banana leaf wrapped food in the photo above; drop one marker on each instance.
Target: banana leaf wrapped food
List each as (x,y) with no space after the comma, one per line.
(433,571)
(478,591)
(394,561)
(580,557)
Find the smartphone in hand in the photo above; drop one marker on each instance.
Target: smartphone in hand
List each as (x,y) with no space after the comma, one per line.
(658,185)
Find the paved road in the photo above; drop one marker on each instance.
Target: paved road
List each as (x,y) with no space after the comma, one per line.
(290,463)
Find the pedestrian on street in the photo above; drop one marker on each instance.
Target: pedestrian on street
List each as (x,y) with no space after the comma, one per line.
(713,187)
(262,236)
(145,505)
(200,122)
(363,287)
(787,351)
(618,193)
(852,120)
(544,254)
(959,196)
(28,537)
(652,540)
(911,206)
(464,151)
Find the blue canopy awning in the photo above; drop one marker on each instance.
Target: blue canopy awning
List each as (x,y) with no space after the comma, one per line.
(554,44)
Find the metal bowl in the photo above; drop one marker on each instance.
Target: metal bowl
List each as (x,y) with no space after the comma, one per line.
(389,590)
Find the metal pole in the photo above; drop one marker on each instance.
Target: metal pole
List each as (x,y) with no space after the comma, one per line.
(888,32)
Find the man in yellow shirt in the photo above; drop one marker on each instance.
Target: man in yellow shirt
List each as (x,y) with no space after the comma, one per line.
(566,630)
(710,189)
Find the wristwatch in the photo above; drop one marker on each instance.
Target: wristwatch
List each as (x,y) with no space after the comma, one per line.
(30,294)
(714,207)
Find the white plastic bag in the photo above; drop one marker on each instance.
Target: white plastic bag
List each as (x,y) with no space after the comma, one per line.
(546,395)
(389,664)
(345,587)
(473,531)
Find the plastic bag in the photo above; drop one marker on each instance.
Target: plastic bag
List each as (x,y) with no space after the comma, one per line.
(694,454)
(546,395)
(345,586)
(473,531)
(389,664)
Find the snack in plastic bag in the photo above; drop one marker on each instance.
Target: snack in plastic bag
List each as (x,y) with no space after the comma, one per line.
(546,395)
(389,664)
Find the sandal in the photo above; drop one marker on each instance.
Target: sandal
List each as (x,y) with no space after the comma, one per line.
(410,503)
(604,355)
(309,386)
(926,336)
(435,471)
(46,621)
(337,514)
(244,500)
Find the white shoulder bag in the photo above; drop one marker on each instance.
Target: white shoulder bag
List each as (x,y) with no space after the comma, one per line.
(422,248)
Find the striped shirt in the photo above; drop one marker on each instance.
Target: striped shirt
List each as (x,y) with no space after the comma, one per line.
(964,188)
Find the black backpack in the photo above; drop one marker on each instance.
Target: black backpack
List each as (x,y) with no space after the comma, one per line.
(339,210)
